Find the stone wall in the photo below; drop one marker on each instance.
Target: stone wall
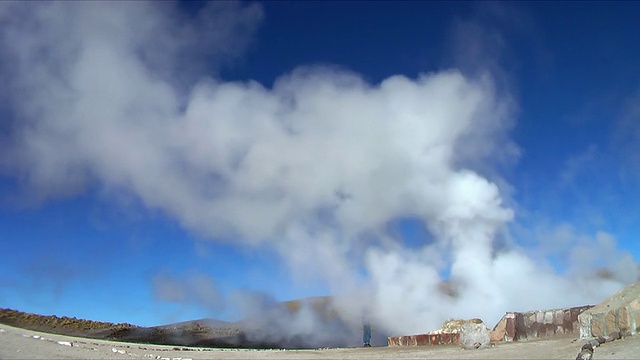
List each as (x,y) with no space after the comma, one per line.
(513,326)
(516,326)
(425,340)
(619,313)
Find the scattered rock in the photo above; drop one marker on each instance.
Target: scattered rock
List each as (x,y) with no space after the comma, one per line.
(584,355)
(587,346)
(594,343)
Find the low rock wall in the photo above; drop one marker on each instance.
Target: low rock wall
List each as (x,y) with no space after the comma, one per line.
(513,326)
(516,326)
(603,320)
(425,340)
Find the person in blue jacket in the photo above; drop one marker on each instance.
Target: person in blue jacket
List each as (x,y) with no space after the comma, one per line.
(366,332)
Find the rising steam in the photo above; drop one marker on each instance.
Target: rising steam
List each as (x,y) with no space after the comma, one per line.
(316,166)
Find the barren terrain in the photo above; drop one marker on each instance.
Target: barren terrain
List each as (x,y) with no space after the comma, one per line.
(17,343)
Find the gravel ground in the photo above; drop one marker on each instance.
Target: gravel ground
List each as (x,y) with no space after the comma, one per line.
(627,348)
(16,343)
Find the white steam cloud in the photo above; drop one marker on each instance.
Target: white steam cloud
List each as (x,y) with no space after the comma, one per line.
(317,166)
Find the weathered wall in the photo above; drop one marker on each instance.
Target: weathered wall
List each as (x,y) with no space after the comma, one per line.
(425,340)
(448,334)
(619,313)
(516,326)
(513,326)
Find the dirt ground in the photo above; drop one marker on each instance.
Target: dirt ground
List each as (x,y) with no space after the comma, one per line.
(16,343)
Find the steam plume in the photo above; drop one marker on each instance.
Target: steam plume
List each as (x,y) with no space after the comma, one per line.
(316,166)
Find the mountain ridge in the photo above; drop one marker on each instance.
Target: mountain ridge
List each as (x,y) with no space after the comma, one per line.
(273,328)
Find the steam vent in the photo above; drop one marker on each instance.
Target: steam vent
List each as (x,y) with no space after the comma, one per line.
(620,312)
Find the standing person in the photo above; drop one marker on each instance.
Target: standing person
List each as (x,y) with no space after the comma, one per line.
(366,332)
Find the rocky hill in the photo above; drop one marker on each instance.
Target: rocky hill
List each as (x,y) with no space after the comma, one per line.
(286,325)
(61,325)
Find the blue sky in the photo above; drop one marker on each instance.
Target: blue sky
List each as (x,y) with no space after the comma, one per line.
(117,202)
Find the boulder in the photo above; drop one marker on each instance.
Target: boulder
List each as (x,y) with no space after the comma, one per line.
(587,346)
(594,343)
(475,336)
(585,355)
